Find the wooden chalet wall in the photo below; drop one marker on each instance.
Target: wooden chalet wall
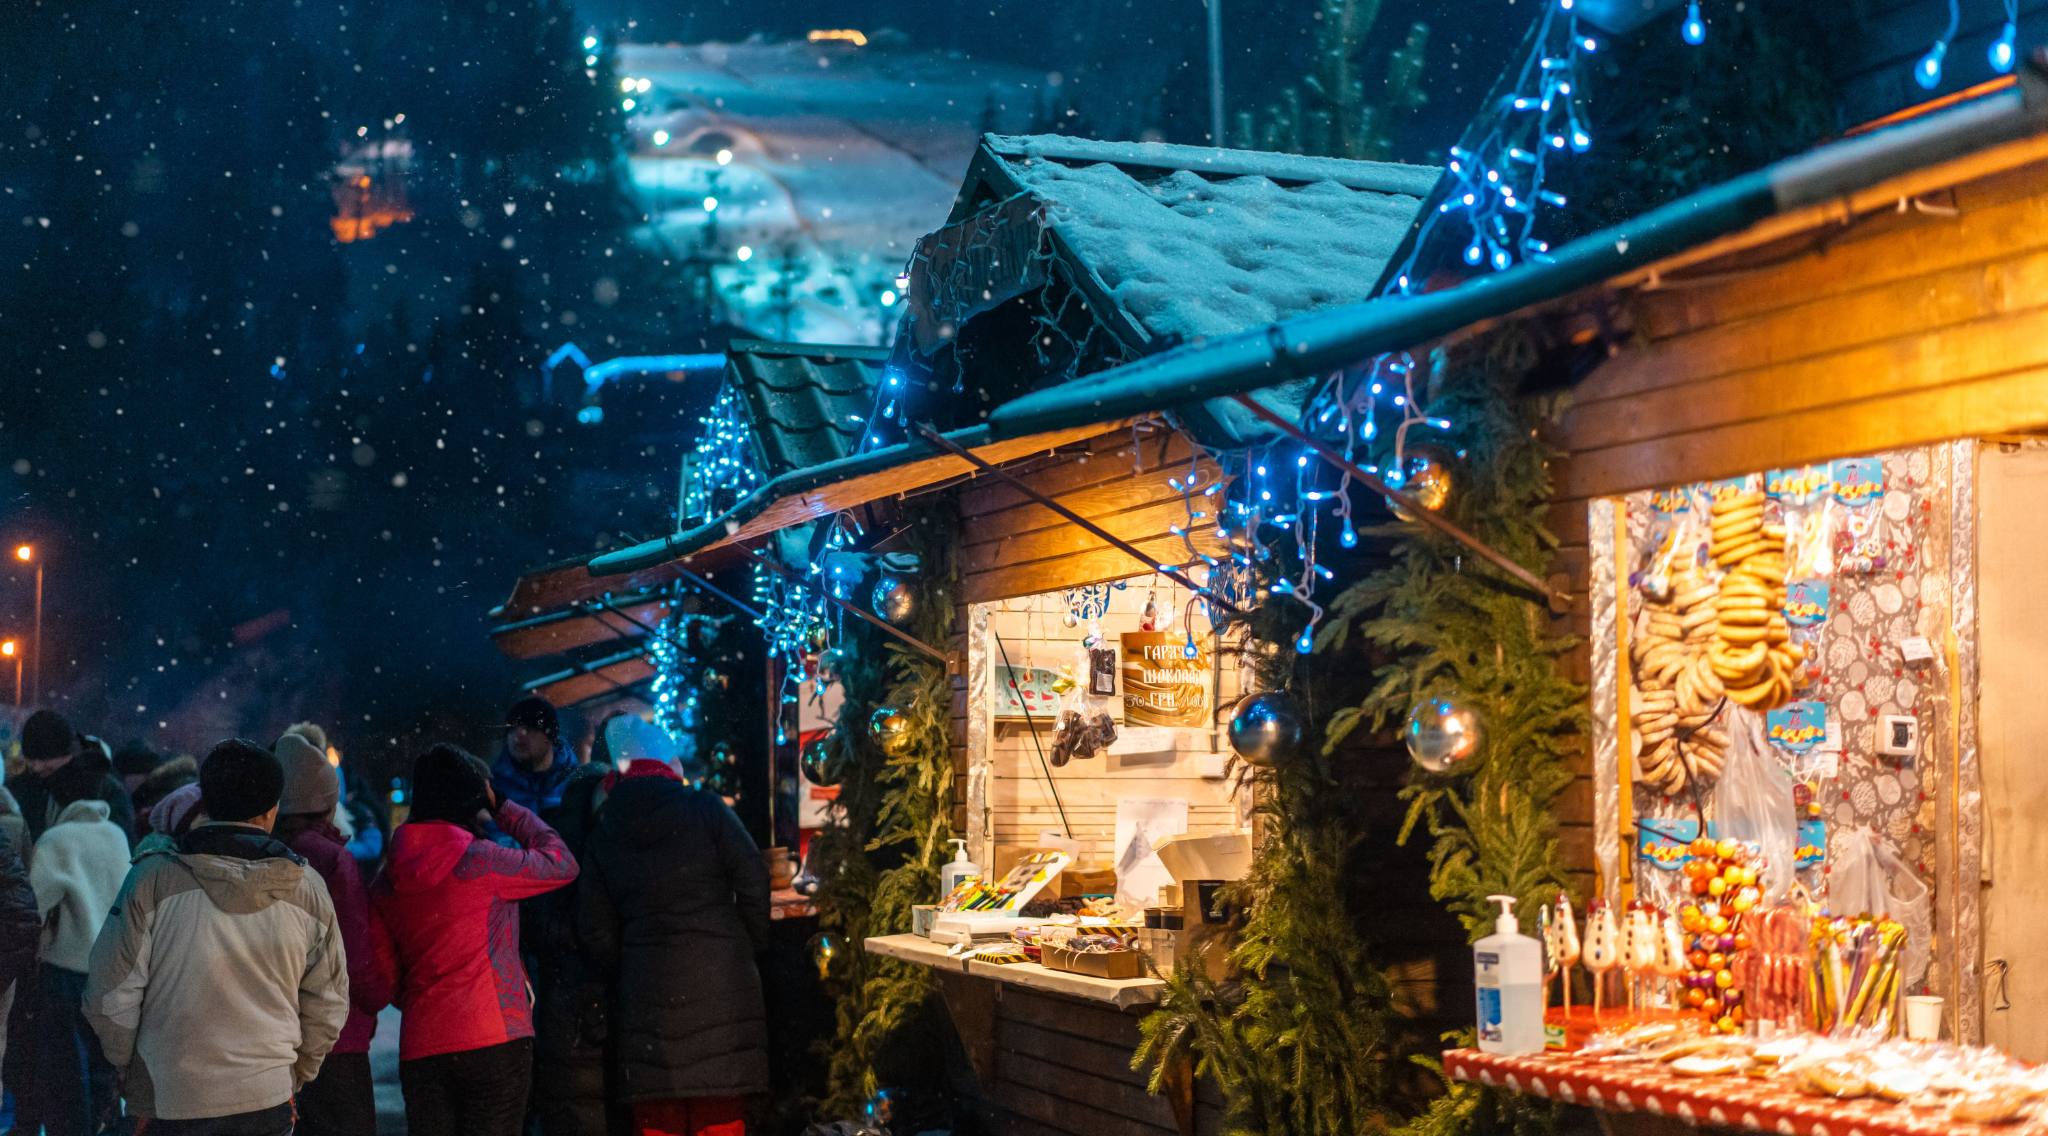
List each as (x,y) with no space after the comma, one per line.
(1876,73)
(1012,546)
(1893,330)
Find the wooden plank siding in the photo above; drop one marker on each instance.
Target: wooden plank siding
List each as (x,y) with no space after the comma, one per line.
(1063,1068)
(1899,329)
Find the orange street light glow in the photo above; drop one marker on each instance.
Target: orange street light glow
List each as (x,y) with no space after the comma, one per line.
(7,648)
(24,553)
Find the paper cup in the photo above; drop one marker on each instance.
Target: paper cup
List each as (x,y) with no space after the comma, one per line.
(1923,1017)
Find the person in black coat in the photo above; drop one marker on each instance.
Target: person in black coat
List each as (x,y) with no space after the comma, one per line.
(674,903)
(572,1005)
(55,752)
(21,929)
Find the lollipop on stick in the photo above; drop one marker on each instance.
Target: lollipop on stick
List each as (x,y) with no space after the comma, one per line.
(1640,959)
(1603,945)
(1567,947)
(1670,954)
(1549,933)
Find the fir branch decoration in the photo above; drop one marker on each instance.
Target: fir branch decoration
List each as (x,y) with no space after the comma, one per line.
(1303,1042)
(895,816)
(1458,628)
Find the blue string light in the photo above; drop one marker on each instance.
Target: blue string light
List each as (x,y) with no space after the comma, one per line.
(1927,72)
(1694,30)
(2005,49)
(1498,188)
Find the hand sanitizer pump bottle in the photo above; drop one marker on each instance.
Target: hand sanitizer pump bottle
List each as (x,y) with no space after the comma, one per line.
(1508,971)
(957,869)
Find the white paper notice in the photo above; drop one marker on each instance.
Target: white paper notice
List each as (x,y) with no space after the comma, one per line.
(1139,822)
(1916,648)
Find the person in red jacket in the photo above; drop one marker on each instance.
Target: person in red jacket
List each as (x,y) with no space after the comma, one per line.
(341,1101)
(445,920)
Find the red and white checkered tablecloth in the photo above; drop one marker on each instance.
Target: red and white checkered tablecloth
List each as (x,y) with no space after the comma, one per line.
(1736,1102)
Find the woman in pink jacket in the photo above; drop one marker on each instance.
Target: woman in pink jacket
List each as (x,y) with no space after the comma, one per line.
(444,914)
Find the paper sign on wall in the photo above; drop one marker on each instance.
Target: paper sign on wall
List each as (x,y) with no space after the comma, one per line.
(1139,822)
(1162,686)
(1027,689)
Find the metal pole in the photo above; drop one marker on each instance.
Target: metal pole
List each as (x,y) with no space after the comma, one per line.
(774,729)
(1216,137)
(36,687)
(17,679)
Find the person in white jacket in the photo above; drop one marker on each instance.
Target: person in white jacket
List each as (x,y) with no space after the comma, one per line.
(79,864)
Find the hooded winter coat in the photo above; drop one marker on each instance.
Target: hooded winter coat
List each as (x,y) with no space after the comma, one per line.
(93,773)
(572,1006)
(217,983)
(444,921)
(674,902)
(79,865)
(21,921)
(369,988)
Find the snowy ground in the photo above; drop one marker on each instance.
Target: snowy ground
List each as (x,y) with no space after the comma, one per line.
(840,158)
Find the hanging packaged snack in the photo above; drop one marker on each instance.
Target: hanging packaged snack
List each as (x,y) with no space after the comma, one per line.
(1087,725)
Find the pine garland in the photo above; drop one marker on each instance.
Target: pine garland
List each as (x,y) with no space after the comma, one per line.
(1306,1045)
(896,816)
(1465,631)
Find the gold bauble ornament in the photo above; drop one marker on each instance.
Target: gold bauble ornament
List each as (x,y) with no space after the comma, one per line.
(827,953)
(890,728)
(1427,480)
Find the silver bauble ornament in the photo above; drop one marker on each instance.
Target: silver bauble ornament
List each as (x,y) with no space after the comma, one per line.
(890,728)
(818,766)
(1070,619)
(1442,733)
(1148,619)
(830,662)
(1266,729)
(894,599)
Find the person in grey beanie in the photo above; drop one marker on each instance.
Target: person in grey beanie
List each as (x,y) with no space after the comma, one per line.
(341,1100)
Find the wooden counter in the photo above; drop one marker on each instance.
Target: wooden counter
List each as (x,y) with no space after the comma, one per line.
(1052,1050)
(1123,993)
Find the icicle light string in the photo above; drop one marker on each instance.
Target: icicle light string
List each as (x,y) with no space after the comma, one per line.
(1499,182)
(1927,72)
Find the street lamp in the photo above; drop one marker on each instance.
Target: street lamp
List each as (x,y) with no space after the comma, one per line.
(11,651)
(27,553)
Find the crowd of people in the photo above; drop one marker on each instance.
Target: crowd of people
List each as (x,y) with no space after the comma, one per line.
(202,948)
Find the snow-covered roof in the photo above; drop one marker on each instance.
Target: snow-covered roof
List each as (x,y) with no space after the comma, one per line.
(1189,240)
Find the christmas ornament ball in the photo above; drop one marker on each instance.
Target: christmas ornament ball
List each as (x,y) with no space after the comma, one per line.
(1442,732)
(1265,729)
(1428,481)
(828,953)
(830,661)
(819,768)
(890,728)
(880,1109)
(894,599)
(818,637)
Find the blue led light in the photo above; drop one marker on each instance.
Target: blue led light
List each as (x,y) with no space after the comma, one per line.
(1694,29)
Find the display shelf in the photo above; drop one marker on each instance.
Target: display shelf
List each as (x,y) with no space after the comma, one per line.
(1119,992)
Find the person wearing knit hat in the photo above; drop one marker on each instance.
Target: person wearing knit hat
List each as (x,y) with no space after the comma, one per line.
(55,752)
(535,763)
(341,1100)
(443,903)
(134,762)
(219,984)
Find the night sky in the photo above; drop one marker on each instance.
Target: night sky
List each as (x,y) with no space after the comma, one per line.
(273,475)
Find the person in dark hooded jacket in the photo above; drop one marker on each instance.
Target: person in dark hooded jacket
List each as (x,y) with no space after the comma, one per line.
(53,750)
(572,1006)
(674,902)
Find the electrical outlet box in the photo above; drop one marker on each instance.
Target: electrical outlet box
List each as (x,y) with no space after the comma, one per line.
(1898,735)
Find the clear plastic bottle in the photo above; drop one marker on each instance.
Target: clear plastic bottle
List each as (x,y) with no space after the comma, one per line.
(955,870)
(1508,972)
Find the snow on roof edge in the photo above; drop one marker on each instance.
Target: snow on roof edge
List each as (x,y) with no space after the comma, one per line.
(1381,177)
